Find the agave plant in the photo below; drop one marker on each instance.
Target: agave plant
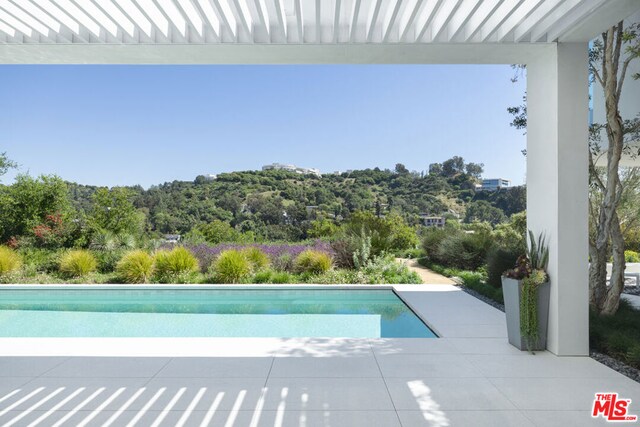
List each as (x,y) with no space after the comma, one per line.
(538,251)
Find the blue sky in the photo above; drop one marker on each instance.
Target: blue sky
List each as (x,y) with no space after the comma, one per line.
(126,125)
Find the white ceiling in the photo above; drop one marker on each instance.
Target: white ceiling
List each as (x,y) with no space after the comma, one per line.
(305,21)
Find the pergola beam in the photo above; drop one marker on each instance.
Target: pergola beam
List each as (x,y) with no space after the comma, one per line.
(267,21)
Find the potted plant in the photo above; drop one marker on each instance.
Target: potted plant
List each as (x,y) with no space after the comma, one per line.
(526,297)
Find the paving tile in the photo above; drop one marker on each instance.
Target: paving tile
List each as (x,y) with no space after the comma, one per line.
(385,346)
(243,392)
(558,394)
(105,367)
(446,394)
(257,418)
(542,364)
(217,367)
(323,347)
(27,366)
(354,394)
(326,367)
(471,330)
(426,366)
(9,384)
(566,419)
(463,418)
(485,346)
(79,388)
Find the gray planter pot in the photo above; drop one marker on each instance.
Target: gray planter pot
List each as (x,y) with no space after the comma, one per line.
(512,291)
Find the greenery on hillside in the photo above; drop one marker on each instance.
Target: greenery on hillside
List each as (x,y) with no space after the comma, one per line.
(284,206)
(61,231)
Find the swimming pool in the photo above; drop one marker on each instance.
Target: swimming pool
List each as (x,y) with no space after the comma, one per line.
(285,313)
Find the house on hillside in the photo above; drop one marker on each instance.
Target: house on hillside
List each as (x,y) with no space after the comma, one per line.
(432,221)
(172,238)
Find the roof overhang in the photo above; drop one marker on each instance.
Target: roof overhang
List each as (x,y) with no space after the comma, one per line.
(295,31)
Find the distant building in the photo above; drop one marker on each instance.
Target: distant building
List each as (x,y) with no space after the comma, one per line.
(432,221)
(494,184)
(172,238)
(211,177)
(292,168)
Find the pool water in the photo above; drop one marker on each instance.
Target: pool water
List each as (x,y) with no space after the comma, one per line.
(282,313)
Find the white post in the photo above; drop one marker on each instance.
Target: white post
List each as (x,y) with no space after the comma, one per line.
(557,186)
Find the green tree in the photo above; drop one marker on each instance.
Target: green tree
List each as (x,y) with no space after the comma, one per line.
(6,164)
(453,166)
(322,228)
(26,204)
(401,169)
(219,232)
(482,211)
(474,169)
(113,211)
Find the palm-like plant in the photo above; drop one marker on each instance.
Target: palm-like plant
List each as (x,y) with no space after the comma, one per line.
(538,252)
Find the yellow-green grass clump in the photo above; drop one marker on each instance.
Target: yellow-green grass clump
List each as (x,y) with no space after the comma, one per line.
(77,263)
(135,267)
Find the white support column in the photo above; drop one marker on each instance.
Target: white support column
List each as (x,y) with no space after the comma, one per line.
(557,186)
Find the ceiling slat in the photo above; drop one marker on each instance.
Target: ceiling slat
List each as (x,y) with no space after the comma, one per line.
(568,21)
(371,24)
(497,19)
(354,20)
(480,16)
(226,17)
(336,22)
(25,18)
(281,18)
(443,17)
(299,21)
(461,17)
(310,21)
(390,21)
(539,31)
(428,14)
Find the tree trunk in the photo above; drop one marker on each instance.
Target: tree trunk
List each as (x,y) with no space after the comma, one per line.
(608,231)
(598,277)
(616,283)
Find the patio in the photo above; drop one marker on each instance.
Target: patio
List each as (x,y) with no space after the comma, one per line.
(470,376)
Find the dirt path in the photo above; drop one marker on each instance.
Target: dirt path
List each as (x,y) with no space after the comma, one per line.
(427,276)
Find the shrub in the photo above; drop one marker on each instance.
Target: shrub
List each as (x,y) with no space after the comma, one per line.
(464,251)
(10,261)
(175,266)
(432,240)
(385,270)
(284,262)
(232,266)
(135,267)
(258,259)
(631,256)
(270,276)
(344,249)
(77,263)
(500,260)
(263,277)
(108,259)
(40,260)
(314,262)
(280,277)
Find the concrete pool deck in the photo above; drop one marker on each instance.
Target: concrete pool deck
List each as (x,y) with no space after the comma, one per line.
(470,376)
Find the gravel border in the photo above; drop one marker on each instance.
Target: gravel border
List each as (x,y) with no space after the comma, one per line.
(615,364)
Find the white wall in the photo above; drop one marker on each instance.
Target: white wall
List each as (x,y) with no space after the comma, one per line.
(557,187)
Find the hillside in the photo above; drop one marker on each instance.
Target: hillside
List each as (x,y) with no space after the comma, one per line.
(280,205)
